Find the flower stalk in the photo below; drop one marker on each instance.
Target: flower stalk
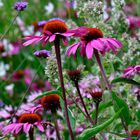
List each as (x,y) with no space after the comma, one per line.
(82,101)
(102,70)
(108,86)
(31,134)
(56,126)
(58,57)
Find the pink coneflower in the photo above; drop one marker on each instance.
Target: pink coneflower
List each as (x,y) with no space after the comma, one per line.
(42,53)
(134,22)
(23,74)
(131,71)
(26,122)
(51,102)
(93,41)
(52,29)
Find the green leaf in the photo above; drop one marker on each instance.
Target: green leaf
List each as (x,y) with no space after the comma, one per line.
(88,133)
(48,93)
(125,80)
(119,103)
(102,106)
(71,115)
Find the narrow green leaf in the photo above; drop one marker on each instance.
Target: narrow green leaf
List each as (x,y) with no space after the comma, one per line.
(48,93)
(119,103)
(88,133)
(102,107)
(125,80)
(71,115)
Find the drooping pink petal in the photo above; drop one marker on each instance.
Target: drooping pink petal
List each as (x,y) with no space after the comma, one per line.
(114,43)
(33,40)
(72,49)
(65,41)
(98,44)
(26,127)
(118,42)
(18,128)
(67,34)
(39,126)
(111,46)
(79,31)
(52,38)
(89,50)
(8,129)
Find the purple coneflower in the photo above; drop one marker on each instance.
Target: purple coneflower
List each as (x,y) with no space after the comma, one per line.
(42,53)
(93,41)
(20,6)
(53,28)
(131,71)
(26,122)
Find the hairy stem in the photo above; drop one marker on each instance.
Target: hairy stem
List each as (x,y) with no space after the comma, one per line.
(58,57)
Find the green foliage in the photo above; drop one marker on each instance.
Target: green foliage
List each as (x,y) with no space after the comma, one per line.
(118,104)
(88,133)
(125,80)
(102,106)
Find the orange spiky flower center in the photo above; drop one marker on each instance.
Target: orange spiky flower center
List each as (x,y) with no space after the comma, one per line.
(93,33)
(51,102)
(75,75)
(55,26)
(29,118)
(20,73)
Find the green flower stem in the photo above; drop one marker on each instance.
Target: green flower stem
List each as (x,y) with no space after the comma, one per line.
(58,57)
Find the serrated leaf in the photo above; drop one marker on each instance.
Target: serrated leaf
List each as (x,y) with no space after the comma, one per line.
(119,103)
(48,93)
(125,80)
(88,133)
(102,106)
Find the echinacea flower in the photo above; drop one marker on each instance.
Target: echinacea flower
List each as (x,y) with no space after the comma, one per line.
(53,28)
(92,41)
(20,6)
(26,122)
(134,22)
(96,95)
(131,71)
(42,53)
(51,102)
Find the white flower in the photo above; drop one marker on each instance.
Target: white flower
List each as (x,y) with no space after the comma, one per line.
(1,3)
(3,69)
(49,8)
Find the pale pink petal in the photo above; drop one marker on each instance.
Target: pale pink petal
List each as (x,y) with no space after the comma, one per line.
(67,34)
(8,129)
(52,38)
(34,40)
(89,50)
(39,126)
(26,127)
(18,128)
